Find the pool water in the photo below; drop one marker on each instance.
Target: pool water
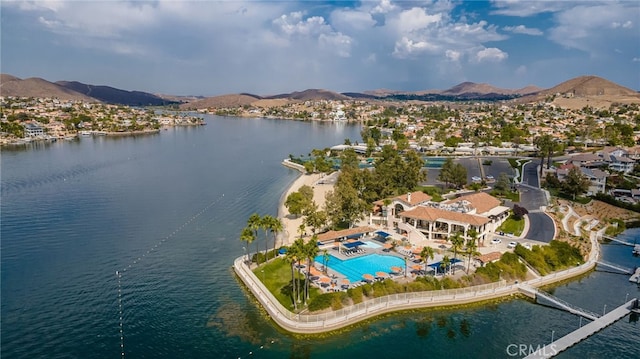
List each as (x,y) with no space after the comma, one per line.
(355,268)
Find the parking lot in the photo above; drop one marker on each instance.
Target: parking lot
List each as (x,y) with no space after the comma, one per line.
(472,164)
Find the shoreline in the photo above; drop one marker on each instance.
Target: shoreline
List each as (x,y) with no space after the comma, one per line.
(291,224)
(335,320)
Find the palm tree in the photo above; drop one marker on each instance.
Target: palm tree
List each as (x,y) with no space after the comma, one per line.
(254,223)
(265,223)
(292,258)
(247,236)
(444,264)
(298,249)
(427,253)
(275,228)
(386,203)
(456,243)
(472,250)
(310,252)
(325,260)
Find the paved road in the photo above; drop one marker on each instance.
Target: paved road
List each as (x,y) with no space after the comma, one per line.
(541,226)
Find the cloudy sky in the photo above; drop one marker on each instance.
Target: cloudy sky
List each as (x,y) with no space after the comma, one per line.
(268,47)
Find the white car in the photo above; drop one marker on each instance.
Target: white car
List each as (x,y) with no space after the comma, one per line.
(527,246)
(512,245)
(490,177)
(496,241)
(476,179)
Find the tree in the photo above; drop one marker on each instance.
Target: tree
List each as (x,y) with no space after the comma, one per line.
(502,183)
(446,172)
(576,182)
(545,146)
(254,223)
(459,175)
(344,205)
(446,262)
(456,243)
(472,249)
(315,219)
(519,212)
(247,236)
(426,254)
(310,251)
(275,226)
(325,260)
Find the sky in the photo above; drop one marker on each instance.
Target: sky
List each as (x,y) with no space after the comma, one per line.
(268,47)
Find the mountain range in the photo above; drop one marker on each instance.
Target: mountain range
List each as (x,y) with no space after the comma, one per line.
(583,86)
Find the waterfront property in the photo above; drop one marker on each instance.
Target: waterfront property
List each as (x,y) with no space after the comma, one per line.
(354,269)
(420,219)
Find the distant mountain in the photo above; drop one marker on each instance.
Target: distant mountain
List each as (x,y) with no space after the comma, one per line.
(113,95)
(37,87)
(311,94)
(232,100)
(590,86)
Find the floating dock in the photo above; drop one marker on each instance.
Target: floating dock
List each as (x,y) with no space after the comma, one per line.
(635,278)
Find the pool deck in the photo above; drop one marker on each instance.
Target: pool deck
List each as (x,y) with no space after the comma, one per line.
(324,321)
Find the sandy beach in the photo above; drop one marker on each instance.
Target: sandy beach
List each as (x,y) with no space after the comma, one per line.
(320,189)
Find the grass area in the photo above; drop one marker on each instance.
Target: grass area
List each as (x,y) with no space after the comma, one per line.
(510,195)
(511,225)
(556,256)
(277,278)
(557,193)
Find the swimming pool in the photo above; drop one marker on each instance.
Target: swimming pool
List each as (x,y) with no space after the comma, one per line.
(354,268)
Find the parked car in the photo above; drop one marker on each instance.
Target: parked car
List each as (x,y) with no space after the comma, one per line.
(476,179)
(496,241)
(512,245)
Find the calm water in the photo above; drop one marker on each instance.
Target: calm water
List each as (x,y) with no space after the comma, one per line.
(166,210)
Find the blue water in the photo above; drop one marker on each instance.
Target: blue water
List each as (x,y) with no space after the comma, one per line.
(168,208)
(355,268)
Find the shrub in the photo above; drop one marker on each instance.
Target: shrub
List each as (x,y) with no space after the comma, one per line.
(519,212)
(323,301)
(355,294)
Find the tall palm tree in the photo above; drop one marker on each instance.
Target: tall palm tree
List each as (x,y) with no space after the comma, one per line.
(426,253)
(275,226)
(456,243)
(247,236)
(254,223)
(298,249)
(310,251)
(472,250)
(446,262)
(292,258)
(325,260)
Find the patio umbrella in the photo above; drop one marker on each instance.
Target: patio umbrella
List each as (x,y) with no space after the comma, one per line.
(396,269)
(367,276)
(417,267)
(382,274)
(388,245)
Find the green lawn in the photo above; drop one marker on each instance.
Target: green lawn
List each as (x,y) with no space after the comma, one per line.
(277,278)
(512,226)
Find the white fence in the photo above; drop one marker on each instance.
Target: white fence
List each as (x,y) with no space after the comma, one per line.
(316,323)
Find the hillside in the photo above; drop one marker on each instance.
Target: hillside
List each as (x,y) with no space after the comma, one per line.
(115,96)
(37,87)
(590,86)
(232,100)
(311,94)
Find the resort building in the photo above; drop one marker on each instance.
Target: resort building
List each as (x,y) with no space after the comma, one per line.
(33,130)
(419,219)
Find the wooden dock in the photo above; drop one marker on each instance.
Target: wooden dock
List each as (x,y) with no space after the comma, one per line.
(587,330)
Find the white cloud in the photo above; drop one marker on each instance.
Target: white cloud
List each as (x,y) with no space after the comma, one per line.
(521,29)
(416,19)
(383,7)
(527,8)
(453,55)
(406,47)
(595,28)
(636,59)
(491,54)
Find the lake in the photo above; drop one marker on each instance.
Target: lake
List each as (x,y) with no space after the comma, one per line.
(165,211)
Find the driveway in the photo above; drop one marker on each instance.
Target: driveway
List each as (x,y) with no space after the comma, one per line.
(541,227)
